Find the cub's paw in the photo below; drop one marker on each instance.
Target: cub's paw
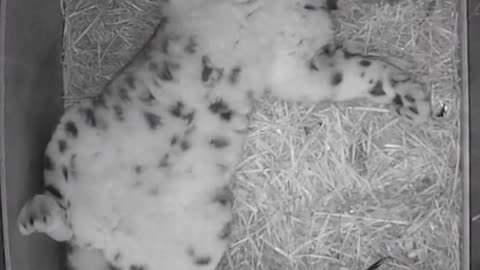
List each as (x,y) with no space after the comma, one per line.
(410,98)
(43,214)
(412,102)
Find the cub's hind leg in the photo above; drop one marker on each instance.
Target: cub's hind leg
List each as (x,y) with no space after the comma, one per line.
(337,75)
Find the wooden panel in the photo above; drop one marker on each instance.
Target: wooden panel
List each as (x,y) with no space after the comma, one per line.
(474,81)
(31,81)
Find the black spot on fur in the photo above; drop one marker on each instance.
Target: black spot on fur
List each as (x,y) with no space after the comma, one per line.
(328,49)
(365,63)
(332,4)
(362,74)
(234,75)
(54,191)
(224,196)
(223,168)
(174,140)
(165,73)
(110,267)
(71,129)
(62,146)
(226,231)
(89,115)
(377,89)
(185,145)
(138,169)
(207,68)
(48,163)
(309,7)
(130,80)
(153,120)
(219,142)
(177,109)
(65,173)
(123,94)
(397,110)
(188,117)
(147,99)
(370,81)
(312,66)
(31,221)
(218,106)
(413,110)
(348,55)
(226,115)
(119,114)
(164,161)
(398,100)
(336,79)
(203,260)
(117,256)
(409,98)
(191,47)
(221,108)
(394,82)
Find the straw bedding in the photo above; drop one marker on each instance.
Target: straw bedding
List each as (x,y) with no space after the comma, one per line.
(332,186)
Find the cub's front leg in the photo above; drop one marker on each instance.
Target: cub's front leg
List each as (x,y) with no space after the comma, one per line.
(43,214)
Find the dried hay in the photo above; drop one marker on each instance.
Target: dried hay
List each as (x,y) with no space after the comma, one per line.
(333,186)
